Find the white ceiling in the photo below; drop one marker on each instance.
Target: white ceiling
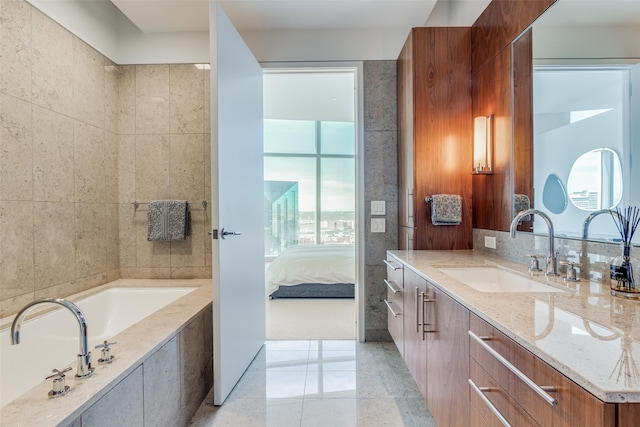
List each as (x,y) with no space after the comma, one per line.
(282,15)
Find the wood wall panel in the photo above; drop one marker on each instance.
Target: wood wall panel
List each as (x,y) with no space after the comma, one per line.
(492,97)
(405,142)
(491,38)
(522,51)
(500,23)
(442,126)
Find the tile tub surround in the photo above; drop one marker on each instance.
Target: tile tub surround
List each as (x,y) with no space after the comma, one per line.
(582,332)
(160,340)
(82,138)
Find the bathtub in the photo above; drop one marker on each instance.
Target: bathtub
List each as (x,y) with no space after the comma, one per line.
(51,339)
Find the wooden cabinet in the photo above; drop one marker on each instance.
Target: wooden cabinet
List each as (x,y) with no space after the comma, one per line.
(415,337)
(565,404)
(447,326)
(394,302)
(434,134)
(471,374)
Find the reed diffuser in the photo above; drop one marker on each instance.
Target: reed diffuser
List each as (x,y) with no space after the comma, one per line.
(624,268)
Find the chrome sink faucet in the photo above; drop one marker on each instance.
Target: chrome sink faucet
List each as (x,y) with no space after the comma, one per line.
(84,357)
(592,215)
(552,264)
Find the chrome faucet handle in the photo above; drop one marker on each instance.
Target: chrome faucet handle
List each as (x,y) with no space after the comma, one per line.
(106,352)
(535,263)
(572,274)
(59,388)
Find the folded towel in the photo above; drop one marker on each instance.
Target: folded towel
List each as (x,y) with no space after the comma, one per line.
(168,220)
(521,203)
(446,209)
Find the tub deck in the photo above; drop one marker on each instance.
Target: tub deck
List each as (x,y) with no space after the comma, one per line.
(135,345)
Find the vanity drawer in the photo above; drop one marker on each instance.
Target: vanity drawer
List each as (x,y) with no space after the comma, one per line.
(395,272)
(573,405)
(497,397)
(394,301)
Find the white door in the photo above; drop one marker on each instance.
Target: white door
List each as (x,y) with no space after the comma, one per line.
(237,204)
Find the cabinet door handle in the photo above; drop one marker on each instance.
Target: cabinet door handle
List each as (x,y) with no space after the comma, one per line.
(535,387)
(480,392)
(418,298)
(390,286)
(425,300)
(391,309)
(390,265)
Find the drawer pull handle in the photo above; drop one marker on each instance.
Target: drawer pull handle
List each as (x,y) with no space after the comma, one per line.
(480,392)
(535,387)
(425,330)
(390,286)
(391,309)
(390,265)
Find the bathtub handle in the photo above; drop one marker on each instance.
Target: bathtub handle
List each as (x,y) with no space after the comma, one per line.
(106,352)
(59,388)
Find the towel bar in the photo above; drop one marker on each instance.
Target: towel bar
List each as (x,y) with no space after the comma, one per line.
(428,200)
(202,202)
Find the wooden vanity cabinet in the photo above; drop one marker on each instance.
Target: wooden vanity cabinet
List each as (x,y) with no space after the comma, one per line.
(415,339)
(394,301)
(575,406)
(447,358)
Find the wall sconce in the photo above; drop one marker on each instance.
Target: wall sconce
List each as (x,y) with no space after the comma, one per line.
(482,145)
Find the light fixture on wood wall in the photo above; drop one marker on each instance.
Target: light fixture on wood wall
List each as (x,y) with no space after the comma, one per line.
(482,145)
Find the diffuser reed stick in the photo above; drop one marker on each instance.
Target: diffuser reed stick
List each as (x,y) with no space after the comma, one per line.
(621,271)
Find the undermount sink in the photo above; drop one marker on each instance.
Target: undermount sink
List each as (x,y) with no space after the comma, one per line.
(493,279)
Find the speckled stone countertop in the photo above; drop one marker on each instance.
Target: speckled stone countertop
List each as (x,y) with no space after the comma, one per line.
(590,336)
(135,345)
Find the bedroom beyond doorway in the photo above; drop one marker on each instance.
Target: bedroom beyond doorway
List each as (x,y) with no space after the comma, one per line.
(310,200)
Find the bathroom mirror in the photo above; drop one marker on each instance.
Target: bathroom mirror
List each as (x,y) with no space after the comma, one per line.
(595,180)
(585,60)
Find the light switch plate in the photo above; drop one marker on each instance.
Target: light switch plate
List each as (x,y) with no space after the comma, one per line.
(378,207)
(377,225)
(489,242)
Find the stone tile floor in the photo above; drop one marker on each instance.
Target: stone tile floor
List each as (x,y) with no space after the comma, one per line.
(321,383)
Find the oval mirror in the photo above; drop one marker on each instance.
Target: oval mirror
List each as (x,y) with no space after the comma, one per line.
(595,180)
(554,195)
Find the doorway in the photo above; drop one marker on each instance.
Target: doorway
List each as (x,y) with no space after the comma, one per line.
(311,225)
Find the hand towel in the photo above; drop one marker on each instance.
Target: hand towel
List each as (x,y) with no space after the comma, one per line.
(521,203)
(168,220)
(446,209)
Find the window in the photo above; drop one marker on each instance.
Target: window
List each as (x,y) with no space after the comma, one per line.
(320,167)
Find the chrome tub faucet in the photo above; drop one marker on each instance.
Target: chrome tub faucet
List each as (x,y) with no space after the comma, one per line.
(84,357)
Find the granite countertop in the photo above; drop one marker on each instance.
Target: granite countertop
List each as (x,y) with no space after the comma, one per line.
(584,332)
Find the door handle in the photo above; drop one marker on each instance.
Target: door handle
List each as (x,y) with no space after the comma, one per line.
(224,232)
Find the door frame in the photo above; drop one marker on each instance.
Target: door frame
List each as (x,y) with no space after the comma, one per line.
(358,68)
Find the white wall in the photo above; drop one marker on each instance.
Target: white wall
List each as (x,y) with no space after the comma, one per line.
(581,43)
(102,26)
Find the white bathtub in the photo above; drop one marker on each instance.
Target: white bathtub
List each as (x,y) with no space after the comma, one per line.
(51,340)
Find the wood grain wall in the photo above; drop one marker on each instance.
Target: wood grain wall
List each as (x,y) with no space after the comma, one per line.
(442,129)
(522,52)
(492,58)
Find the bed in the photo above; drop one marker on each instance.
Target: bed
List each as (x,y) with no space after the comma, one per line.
(312,271)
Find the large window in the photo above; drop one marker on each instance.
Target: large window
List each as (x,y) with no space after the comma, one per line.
(319,158)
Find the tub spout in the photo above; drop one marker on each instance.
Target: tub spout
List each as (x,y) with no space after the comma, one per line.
(84,356)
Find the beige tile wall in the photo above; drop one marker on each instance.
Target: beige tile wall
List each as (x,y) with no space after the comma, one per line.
(80,140)
(164,153)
